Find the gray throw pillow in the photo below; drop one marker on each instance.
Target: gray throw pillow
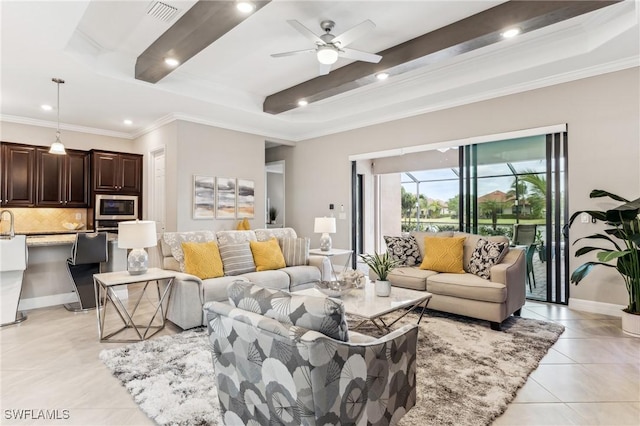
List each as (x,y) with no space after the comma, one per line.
(237,258)
(295,251)
(485,255)
(404,250)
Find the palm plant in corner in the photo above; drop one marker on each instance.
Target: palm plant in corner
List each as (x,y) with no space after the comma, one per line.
(381,265)
(623,253)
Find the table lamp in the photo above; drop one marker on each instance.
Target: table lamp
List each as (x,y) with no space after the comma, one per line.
(326,226)
(137,235)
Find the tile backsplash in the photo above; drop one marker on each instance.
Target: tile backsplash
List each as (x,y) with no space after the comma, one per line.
(43,219)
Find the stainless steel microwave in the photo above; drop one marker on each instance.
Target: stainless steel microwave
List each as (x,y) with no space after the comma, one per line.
(116,207)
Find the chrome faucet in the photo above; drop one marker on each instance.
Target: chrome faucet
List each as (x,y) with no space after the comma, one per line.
(12,232)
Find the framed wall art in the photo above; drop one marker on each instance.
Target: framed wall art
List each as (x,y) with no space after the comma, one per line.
(245,199)
(203,197)
(225,198)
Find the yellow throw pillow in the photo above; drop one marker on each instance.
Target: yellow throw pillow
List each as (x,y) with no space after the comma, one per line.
(202,260)
(444,254)
(267,255)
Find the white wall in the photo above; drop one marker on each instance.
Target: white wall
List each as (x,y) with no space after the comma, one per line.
(602,114)
(44,136)
(196,149)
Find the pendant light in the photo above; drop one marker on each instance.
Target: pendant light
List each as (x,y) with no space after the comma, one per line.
(57,147)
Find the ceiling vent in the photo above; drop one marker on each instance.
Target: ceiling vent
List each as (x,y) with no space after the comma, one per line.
(162,11)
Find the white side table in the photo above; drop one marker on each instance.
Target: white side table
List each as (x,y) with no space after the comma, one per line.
(105,285)
(334,252)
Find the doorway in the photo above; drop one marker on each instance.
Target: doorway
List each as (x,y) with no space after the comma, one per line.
(275,199)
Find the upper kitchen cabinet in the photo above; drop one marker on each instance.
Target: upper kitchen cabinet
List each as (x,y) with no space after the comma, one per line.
(18,172)
(62,180)
(116,172)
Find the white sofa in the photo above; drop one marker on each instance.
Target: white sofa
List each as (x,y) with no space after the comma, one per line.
(493,299)
(190,293)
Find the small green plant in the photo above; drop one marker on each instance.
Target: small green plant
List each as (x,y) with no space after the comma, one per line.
(381,264)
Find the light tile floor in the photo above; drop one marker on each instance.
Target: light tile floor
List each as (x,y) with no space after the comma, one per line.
(590,376)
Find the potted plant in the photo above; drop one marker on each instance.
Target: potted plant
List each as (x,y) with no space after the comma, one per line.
(273,214)
(381,265)
(623,253)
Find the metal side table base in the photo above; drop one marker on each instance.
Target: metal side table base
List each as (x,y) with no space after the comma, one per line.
(20,317)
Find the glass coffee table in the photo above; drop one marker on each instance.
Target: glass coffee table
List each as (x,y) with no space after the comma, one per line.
(363,303)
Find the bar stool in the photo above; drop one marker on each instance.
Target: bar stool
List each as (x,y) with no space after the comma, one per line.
(87,253)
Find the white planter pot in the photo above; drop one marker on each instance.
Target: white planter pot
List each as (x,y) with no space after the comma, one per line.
(631,324)
(383,288)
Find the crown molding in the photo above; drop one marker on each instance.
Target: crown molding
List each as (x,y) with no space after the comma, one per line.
(177,116)
(69,127)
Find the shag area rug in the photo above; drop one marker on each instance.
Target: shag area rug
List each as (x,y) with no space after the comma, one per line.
(467,373)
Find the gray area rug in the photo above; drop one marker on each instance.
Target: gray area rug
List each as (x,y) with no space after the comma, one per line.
(467,373)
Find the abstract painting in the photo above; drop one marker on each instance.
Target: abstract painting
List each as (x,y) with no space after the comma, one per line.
(203,197)
(246,204)
(225,198)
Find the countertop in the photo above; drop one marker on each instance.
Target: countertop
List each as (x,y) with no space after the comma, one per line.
(57,239)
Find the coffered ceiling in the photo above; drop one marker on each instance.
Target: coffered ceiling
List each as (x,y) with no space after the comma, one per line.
(94,46)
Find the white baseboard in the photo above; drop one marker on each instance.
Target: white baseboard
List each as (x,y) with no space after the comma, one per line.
(58,299)
(596,307)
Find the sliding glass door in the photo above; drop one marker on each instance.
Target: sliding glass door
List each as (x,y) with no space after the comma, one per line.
(517,188)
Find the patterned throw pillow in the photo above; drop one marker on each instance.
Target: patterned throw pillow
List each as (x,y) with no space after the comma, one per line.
(237,258)
(404,250)
(202,260)
(321,314)
(295,251)
(444,254)
(485,255)
(267,255)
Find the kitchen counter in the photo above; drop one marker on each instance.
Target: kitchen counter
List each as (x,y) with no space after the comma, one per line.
(57,239)
(46,280)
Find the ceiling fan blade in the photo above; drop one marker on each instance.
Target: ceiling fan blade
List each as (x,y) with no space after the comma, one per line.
(294,52)
(354,33)
(305,31)
(359,55)
(324,69)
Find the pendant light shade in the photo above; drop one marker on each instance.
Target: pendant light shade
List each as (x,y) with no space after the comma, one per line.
(57,147)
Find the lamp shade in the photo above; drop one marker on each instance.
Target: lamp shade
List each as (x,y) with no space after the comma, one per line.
(325,225)
(136,234)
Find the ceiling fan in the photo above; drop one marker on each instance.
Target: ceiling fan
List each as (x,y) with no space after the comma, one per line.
(329,47)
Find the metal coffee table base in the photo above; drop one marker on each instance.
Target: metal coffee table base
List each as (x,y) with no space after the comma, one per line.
(386,328)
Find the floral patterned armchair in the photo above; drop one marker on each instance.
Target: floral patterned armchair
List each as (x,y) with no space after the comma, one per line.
(282,358)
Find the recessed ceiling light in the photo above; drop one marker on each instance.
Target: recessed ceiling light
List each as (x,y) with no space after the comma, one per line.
(128,122)
(172,62)
(46,107)
(382,76)
(302,102)
(245,6)
(511,32)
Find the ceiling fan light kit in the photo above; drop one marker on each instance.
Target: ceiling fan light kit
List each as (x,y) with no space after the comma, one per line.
(327,55)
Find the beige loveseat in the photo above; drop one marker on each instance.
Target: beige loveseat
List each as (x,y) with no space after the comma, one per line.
(190,293)
(493,299)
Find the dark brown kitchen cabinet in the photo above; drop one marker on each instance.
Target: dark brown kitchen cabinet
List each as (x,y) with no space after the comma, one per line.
(116,172)
(62,180)
(18,172)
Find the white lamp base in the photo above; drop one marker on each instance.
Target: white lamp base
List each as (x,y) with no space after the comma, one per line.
(138,261)
(325,242)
